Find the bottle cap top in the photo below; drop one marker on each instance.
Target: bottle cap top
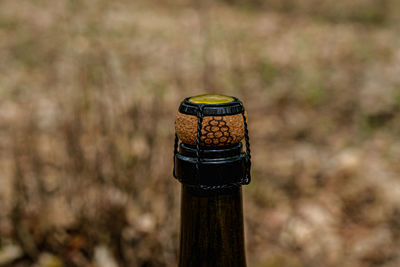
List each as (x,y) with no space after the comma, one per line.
(211,105)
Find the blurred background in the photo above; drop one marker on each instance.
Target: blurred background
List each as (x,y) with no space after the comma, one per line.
(88,96)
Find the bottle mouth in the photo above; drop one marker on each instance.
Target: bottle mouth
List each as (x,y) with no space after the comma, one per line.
(221,152)
(214,169)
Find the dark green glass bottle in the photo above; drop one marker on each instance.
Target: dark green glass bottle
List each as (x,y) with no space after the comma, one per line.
(210,164)
(212,228)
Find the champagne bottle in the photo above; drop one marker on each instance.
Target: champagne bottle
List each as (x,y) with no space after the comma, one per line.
(212,167)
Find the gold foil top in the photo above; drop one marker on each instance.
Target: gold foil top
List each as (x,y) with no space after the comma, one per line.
(211,99)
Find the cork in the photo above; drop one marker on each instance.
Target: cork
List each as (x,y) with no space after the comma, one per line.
(215,130)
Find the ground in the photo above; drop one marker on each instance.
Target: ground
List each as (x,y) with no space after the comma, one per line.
(89,91)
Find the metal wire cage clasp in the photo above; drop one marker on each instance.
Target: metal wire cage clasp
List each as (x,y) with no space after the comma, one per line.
(199,151)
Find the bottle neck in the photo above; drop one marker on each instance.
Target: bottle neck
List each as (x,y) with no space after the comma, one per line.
(212,231)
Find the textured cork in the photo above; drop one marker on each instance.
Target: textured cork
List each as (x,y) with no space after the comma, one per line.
(215,130)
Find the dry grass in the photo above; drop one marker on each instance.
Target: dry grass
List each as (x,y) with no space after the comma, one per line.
(88,96)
